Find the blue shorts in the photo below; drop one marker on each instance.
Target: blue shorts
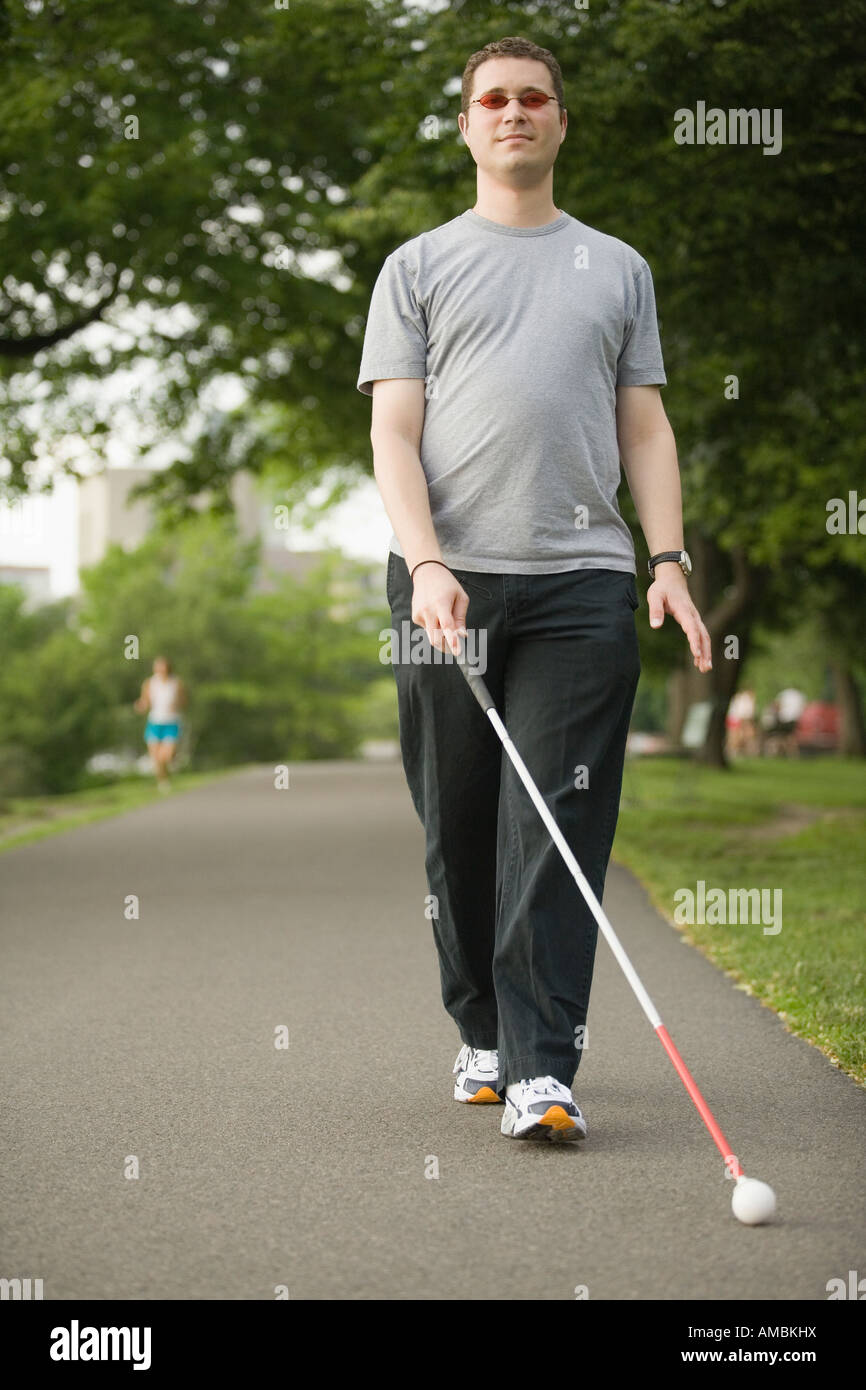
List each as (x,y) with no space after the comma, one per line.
(160,731)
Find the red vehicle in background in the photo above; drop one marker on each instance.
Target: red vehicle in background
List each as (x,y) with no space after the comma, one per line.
(818,728)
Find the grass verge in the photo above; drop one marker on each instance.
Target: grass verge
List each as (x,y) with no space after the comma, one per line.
(27,818)
(797,826)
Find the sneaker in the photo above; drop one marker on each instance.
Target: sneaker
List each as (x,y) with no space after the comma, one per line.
(477,1073)
(542,1109)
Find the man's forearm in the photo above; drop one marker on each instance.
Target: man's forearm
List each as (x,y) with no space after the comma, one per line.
(653,476)
(403,487)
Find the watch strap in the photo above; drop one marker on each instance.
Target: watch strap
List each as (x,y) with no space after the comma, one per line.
(675,555)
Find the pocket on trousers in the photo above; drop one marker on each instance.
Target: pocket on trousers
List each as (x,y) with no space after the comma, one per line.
(631,592)
(471,584)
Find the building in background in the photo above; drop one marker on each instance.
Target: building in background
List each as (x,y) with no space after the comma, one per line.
(47,539)
(31,538)
(35,580)
(107,516)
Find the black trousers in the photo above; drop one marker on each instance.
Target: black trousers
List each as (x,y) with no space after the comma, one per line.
(515,939)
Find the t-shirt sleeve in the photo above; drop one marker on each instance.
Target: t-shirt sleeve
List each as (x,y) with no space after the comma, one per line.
(395,339)
(640,360)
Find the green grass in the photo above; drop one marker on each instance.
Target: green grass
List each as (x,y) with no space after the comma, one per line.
(27,818)
(793,825)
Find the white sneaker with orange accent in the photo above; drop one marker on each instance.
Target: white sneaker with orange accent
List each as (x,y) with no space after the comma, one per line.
(542,1108)
(477,1073)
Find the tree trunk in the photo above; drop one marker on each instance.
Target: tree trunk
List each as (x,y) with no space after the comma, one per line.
(686,687)
(852,729)
(724,677)
(731,616)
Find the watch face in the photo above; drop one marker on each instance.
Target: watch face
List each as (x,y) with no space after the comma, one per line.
(686,563)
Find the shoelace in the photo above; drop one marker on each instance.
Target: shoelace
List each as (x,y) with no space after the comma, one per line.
(484,1060)
(548,1085)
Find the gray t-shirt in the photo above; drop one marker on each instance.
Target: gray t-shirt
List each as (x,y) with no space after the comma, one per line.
(522,335)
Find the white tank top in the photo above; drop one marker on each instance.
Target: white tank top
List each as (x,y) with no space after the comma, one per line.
(163,692)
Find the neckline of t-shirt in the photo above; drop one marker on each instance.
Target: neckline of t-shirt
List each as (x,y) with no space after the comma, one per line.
(485,224)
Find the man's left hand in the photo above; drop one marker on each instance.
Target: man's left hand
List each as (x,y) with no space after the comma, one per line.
(669,594)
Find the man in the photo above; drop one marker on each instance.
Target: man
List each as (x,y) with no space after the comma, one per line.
(513,358)
(163,695)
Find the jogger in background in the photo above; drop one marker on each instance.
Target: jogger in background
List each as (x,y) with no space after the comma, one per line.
(163,696)
(514,362)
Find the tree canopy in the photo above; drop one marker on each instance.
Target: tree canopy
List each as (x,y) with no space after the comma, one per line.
(218,183)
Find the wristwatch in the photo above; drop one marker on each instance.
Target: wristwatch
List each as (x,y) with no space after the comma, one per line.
(681,556)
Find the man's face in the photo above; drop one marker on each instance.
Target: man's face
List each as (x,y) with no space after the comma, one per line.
(514,144)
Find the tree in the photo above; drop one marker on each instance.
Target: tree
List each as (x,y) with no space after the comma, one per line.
(53,709)
(166,173)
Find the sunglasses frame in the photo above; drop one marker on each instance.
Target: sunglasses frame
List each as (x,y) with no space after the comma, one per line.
(479,101)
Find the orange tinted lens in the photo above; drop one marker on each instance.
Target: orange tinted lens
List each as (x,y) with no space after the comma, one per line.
(494,100)
(535,99)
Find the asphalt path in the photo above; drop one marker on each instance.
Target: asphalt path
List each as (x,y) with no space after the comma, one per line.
(147,1044)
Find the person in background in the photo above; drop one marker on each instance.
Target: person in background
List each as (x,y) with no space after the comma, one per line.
(742,731)
(790,704)
(163,695)
(779,723)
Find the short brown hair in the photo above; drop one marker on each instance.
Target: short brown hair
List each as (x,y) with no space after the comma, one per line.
(511,48)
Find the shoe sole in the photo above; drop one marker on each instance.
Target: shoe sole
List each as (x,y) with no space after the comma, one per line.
(554,1126)
(485,1096)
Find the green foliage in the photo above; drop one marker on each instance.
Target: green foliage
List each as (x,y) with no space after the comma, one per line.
(52,701)
(650,706)
(240,109)
(377,715)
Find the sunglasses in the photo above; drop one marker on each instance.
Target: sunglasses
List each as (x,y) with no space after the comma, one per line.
(494,101)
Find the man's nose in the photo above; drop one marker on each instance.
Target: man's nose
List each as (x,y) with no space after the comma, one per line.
(515,116)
